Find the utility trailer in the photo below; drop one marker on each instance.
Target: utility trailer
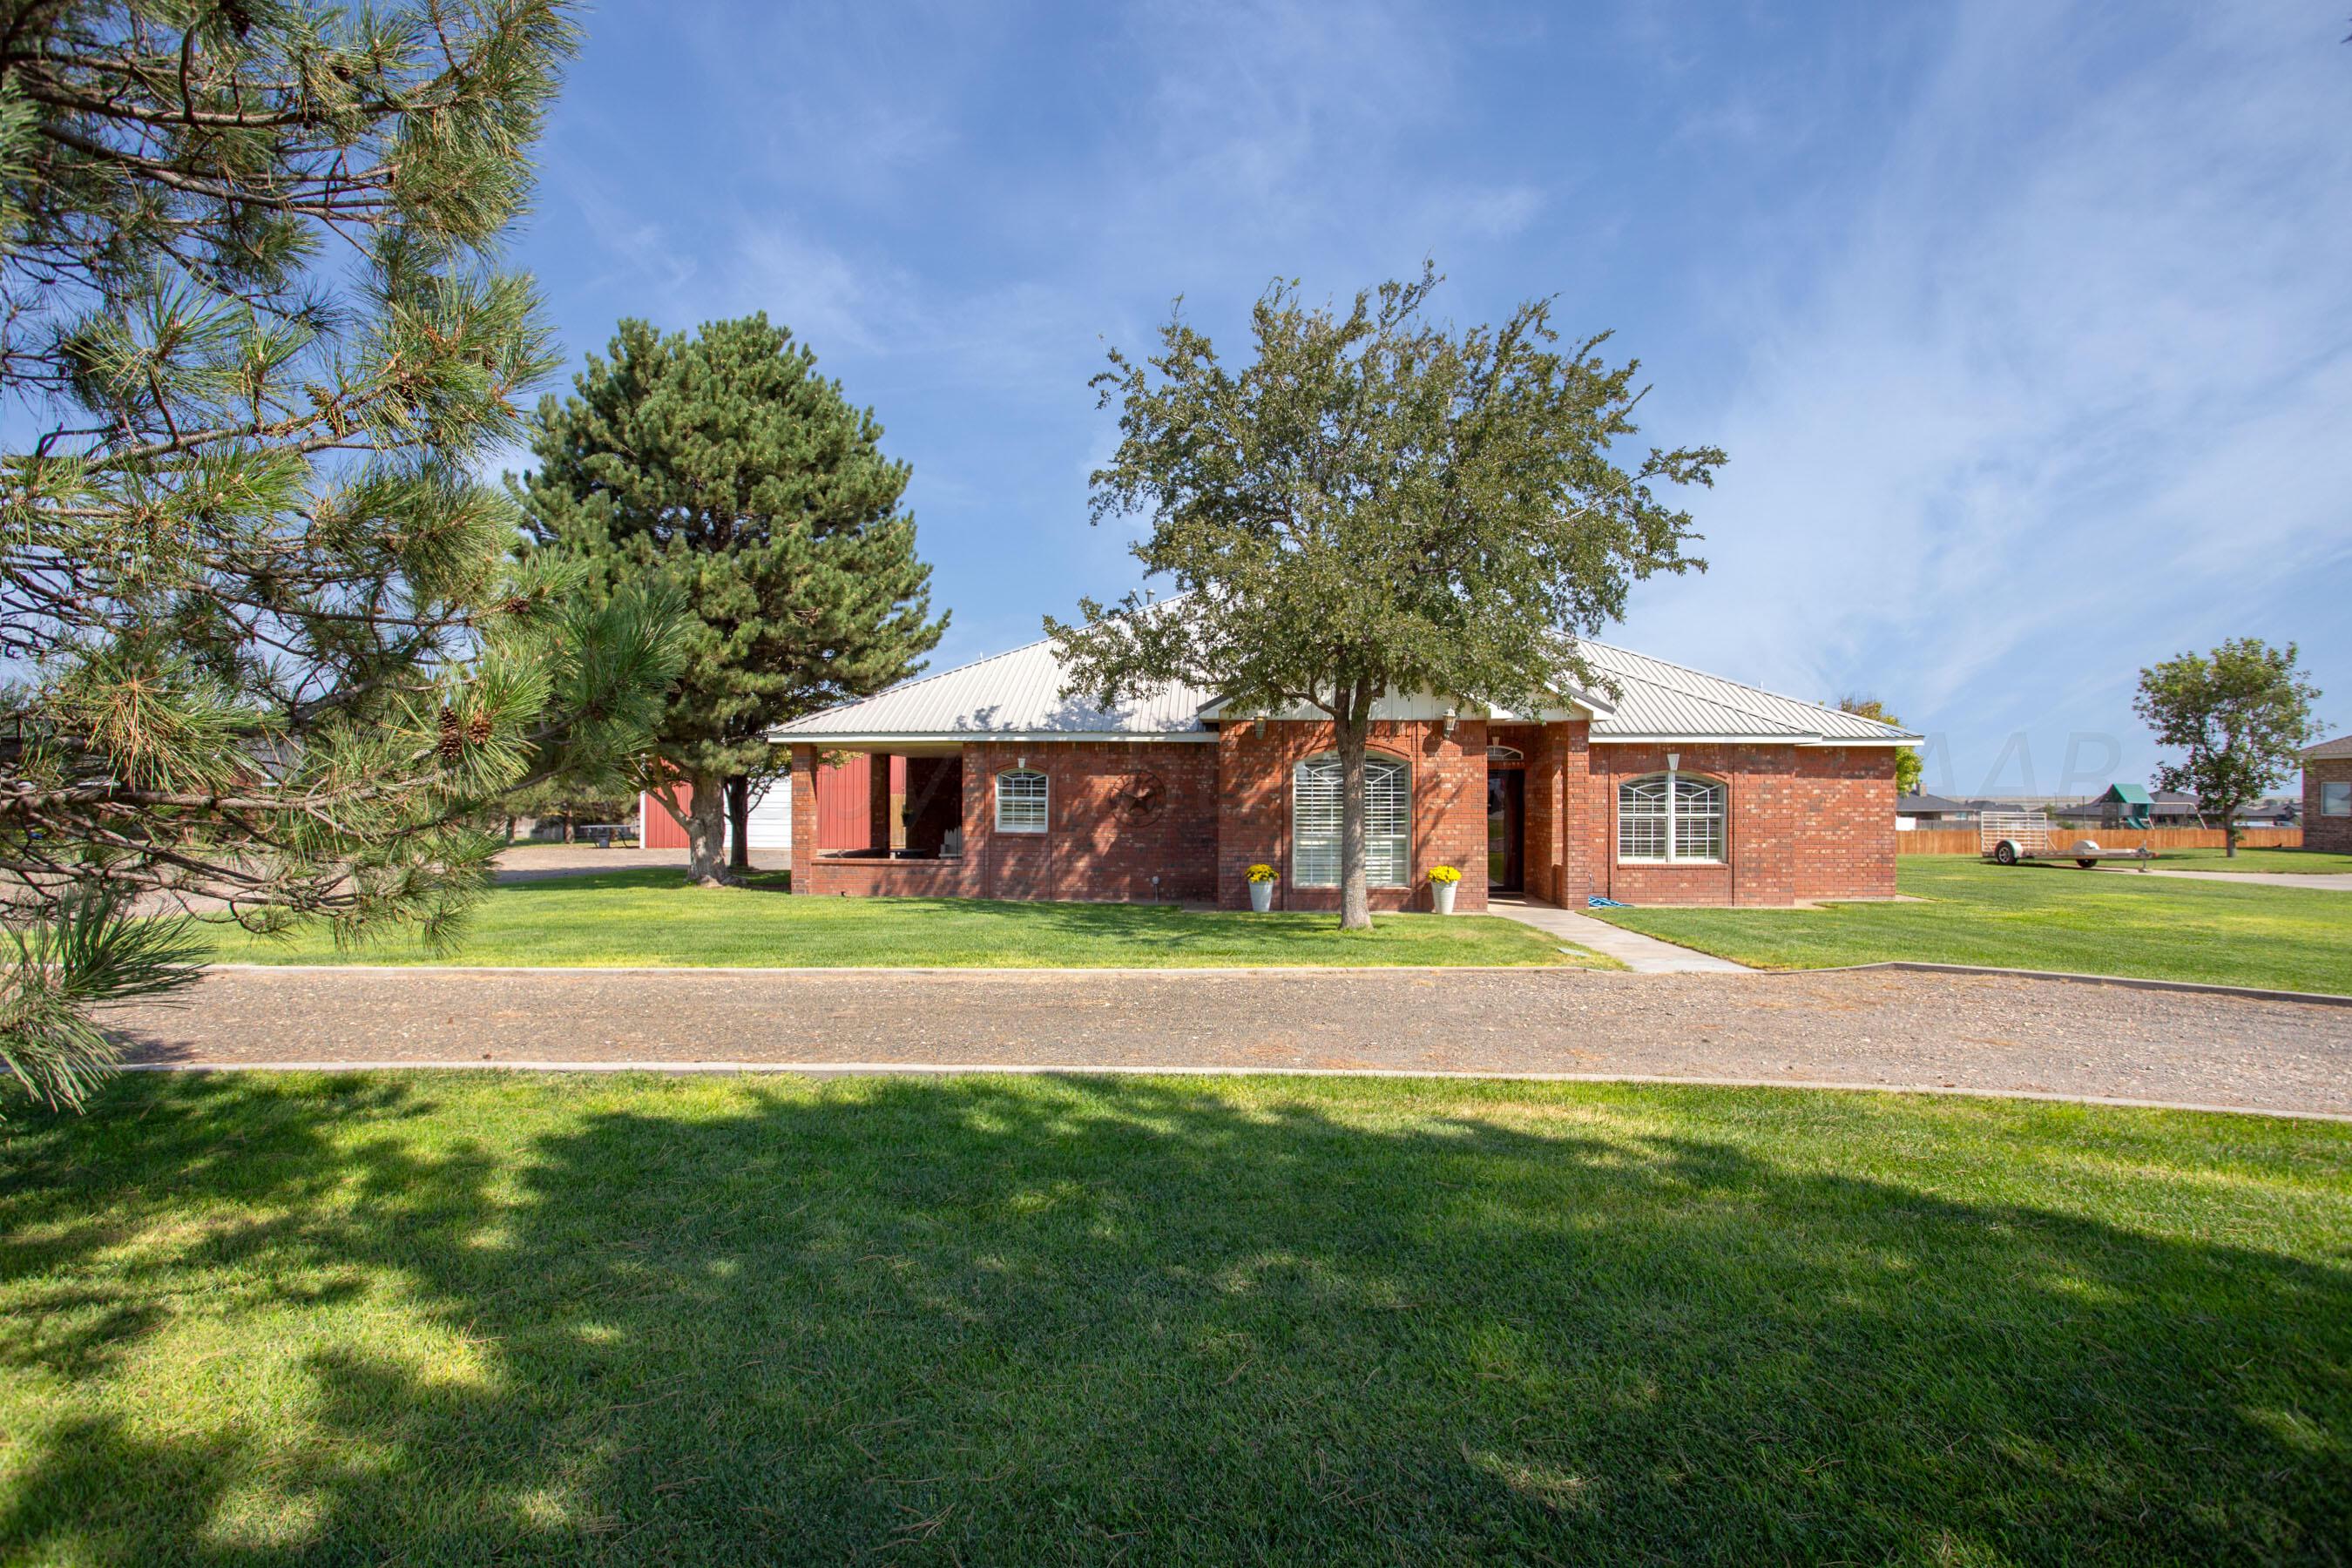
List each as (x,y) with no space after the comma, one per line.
(2006,837)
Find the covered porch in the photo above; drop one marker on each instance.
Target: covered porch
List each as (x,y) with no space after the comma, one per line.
(880,820)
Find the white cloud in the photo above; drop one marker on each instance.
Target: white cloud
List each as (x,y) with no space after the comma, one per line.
(2066,392)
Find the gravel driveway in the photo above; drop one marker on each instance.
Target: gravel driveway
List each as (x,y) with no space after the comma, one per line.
(1885,1029)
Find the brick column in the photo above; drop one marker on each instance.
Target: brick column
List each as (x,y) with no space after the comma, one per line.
(803,786)
(1574,828)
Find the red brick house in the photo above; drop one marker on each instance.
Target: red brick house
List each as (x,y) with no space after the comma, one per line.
(2328,795)
(1679,787)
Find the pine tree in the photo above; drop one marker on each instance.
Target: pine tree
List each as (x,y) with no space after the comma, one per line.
(274,654)
(724,467)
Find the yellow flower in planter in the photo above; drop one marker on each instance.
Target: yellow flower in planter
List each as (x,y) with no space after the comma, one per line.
(1444,874)
(1261,873)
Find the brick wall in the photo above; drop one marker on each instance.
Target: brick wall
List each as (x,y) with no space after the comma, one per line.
(1803,823)
(2324,832)
(1126,822)
(1842,822)
(1449,808)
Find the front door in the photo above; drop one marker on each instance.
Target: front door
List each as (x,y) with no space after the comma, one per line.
(1506,804)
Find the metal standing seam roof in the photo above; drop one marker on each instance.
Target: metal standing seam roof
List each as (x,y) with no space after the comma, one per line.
(1655,697)
(1014,693)
(1018,693)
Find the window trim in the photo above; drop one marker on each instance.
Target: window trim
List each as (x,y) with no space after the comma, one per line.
(1402,767)
(1674,778)
(1044,800)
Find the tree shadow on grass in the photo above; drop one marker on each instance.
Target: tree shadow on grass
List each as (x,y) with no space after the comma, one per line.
(988,1320)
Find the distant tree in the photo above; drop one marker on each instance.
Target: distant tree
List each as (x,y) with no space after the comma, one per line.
(724,467)
(1377,502)
(2241,715)
(1907,758)
(270,652)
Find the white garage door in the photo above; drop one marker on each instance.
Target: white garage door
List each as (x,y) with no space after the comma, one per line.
(771,815)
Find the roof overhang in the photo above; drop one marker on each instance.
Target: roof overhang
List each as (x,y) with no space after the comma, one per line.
(953,738)
(1698,739)
(1858,741)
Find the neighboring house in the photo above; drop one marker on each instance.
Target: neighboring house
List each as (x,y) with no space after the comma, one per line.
(2327,794)
(1680,788)
(1931,811)
(2272,810)
(2054,807)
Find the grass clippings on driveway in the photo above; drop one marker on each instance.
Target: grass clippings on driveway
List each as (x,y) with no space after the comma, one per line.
(652,917)
(2044,917)
(446,1318)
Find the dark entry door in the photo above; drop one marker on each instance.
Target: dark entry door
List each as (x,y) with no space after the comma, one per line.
(1506,808)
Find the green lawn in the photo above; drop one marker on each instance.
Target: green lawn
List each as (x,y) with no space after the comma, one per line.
(450,1319)
(651,917)
(2298,861)
(2036,916)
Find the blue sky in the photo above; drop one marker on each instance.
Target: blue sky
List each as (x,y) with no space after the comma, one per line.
(2027,327)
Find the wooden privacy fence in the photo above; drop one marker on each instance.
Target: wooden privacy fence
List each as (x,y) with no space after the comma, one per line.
(1963,840)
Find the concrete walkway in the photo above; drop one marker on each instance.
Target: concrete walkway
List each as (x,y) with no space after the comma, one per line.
(1642,954)
(2332,881)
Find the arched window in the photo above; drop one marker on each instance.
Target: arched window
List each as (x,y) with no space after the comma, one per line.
(1315,823)
(1507,756)
(1670,817)
(1020,801)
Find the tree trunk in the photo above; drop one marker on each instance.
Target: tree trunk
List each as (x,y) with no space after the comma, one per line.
(2229,836)
(1355,898)
(706,831)
(739,819)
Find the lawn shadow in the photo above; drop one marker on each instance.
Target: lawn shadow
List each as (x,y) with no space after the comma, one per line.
(981,1319)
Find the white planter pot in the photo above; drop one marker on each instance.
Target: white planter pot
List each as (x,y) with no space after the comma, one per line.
(1261,896)
(1442,893)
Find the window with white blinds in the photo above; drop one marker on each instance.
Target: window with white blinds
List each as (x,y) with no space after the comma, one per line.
(1020,802)
(1315,823)
(1669,817)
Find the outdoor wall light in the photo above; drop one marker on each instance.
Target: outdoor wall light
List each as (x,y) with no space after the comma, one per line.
(1674,762)
(1449,721)
(1257,726)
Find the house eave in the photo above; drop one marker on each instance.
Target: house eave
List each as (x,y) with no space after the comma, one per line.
(1687,738)
(959,737)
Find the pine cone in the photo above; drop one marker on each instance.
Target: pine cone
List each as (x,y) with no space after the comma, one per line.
(478,730)
(453,736)
(518,605)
